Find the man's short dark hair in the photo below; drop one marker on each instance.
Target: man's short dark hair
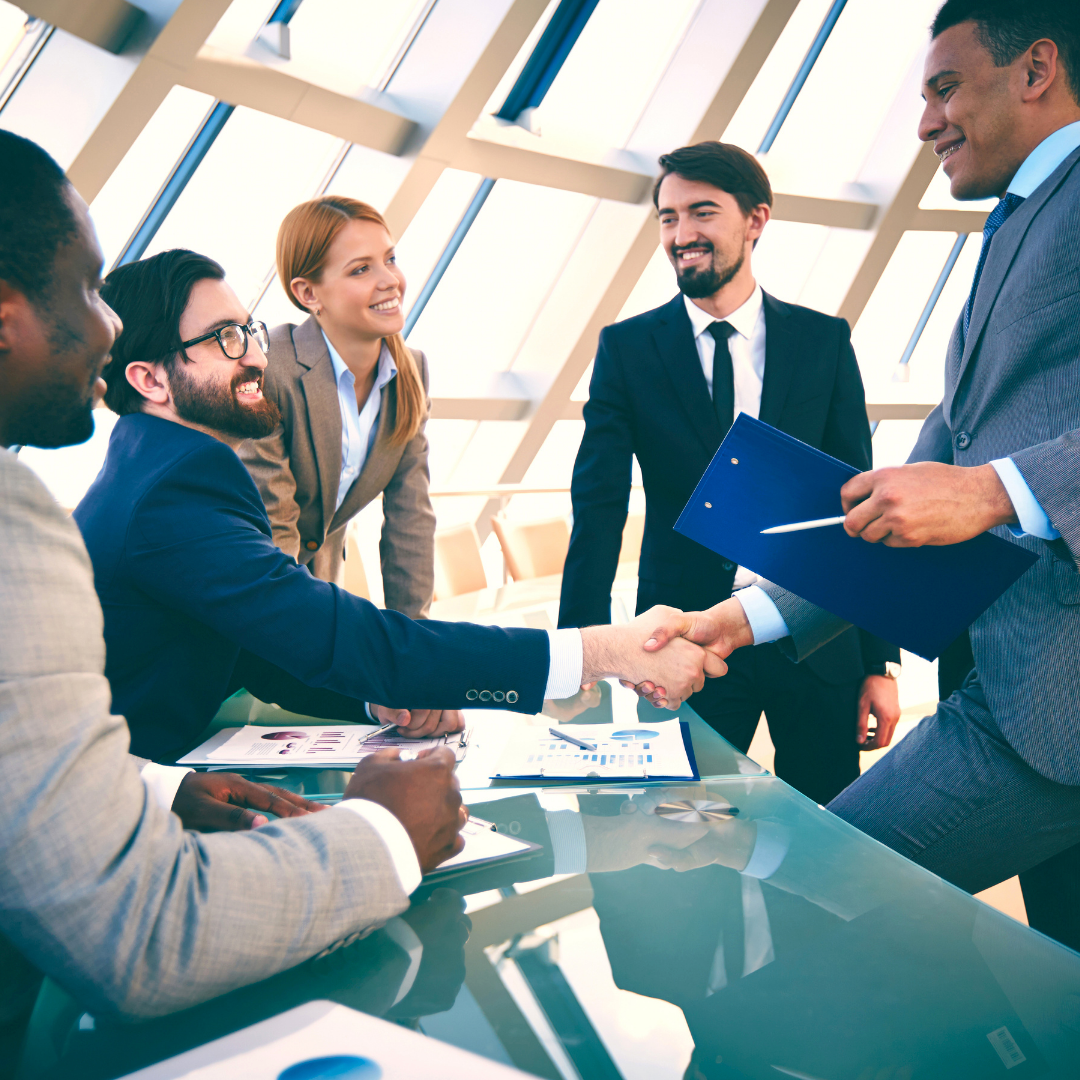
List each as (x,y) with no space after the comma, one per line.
(36,219)
(1008,28)
(723,165)
(150,297)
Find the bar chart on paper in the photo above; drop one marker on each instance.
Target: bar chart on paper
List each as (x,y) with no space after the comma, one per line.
(656,752)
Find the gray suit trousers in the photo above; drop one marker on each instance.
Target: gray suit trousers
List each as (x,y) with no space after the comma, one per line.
(956,798)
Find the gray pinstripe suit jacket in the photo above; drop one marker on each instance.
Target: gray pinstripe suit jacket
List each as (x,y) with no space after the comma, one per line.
(100,888)
(1014,388)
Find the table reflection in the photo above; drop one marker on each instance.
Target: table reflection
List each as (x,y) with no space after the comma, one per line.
(764,939)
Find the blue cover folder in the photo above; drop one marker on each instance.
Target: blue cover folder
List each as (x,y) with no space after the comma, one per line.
(921,599)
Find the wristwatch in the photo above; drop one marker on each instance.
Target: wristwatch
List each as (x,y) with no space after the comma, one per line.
(890,669)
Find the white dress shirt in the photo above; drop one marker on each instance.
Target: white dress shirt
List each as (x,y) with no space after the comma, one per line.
(765,620)
(358,426)
(747,348)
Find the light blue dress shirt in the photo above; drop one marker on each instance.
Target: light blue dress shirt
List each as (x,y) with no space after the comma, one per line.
(358,426)
(765,620)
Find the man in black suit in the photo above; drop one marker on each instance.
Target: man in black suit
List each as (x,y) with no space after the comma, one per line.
(666,387)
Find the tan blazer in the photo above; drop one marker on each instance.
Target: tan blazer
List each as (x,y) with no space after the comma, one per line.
(298,469)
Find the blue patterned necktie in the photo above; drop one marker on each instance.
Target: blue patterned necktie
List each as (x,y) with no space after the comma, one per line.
(998,216)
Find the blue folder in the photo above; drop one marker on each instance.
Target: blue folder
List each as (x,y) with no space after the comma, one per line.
(921,599)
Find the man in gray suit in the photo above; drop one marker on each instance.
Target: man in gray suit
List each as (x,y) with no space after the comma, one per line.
(101,887)
(989,787)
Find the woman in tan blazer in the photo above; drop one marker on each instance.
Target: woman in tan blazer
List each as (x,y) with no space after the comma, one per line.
(353,403)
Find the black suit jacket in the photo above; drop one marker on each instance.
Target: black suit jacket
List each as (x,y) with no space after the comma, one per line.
(648,398)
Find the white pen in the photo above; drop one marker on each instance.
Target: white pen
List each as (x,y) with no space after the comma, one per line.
(798,526)
(380,731)
(571,739)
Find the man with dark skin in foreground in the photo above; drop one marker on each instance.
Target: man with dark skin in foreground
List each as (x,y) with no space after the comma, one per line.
(101,886)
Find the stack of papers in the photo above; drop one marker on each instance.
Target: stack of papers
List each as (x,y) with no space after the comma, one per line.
(308,746)
(319,1040)
(645,751)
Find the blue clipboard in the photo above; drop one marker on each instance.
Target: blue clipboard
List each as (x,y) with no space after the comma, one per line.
(921,599)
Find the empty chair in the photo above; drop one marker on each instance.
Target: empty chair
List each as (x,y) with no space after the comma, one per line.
(533,548)
(458,565)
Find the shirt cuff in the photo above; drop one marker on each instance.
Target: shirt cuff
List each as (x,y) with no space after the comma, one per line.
(1033,518)
(404,936)
(567,835)
(564,667)
(763,615)
(393,835)
(162,782)
(770,850)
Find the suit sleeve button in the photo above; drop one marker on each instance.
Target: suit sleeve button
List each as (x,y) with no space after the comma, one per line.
(511,696)
(498,696)
(471,695)
(312,545)
(485,695)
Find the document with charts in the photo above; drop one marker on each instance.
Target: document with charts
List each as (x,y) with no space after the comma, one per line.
(324,746)
(616,752)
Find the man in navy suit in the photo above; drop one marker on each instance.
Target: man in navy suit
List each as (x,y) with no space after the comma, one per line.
(666,387)
(197,598)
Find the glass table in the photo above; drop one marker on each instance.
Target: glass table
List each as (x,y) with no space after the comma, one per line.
(726,929)
(488,732)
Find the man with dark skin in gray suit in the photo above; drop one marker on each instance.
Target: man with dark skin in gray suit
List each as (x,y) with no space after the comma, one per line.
(989,786)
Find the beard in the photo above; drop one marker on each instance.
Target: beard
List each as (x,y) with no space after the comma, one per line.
(218,408)
(58,410)
(707,281)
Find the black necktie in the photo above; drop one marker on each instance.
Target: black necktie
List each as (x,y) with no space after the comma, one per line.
(723,376)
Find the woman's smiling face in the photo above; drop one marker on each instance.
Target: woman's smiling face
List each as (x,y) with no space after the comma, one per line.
(361,289)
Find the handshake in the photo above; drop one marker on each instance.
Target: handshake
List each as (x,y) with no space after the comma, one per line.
(665,654)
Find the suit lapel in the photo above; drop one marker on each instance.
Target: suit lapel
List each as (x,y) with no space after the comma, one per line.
(780,359)
(674,339)
(324,411)
(1003,251)
(379,465)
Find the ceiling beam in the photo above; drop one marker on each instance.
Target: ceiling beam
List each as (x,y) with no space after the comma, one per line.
(448,135)
(108,24)
(958,221)
(241,81)
(894,221)
(157,73)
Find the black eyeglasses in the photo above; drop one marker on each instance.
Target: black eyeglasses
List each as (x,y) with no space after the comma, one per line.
(233,338)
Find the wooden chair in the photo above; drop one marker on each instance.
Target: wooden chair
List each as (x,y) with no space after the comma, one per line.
(458,565)
(532,548)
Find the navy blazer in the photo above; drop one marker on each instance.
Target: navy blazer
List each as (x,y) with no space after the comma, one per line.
(189,576)
(648,398)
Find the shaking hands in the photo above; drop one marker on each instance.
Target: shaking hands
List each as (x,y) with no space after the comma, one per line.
(715,633)
(665,653)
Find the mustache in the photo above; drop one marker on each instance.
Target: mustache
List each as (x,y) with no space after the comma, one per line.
(247,374)
(677,249)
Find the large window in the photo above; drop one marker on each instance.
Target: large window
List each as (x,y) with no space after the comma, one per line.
(556,249)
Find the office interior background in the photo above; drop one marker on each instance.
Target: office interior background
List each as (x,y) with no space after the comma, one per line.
(511,145)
